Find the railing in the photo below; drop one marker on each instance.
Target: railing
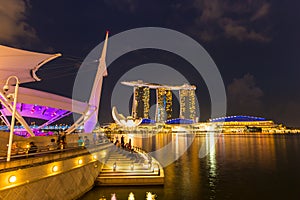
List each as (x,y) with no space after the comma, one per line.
(43,150)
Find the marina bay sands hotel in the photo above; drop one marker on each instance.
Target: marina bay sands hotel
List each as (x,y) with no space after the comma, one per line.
(164,100)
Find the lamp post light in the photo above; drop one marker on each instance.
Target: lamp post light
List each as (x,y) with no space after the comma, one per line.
(12,124)
(114,166)
(132,166)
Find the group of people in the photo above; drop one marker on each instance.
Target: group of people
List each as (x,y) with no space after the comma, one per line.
(60,143)
(83,143)
(126,146)
(16,150)
(99,139)
(33,148)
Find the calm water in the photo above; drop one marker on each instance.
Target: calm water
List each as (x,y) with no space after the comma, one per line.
(236,167)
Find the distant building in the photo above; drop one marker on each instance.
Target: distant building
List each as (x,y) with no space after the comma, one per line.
(243,124)
(163,104)
(164,100)
(140,105)
(187,104)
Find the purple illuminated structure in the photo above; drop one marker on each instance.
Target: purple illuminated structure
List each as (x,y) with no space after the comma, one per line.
(42,105)
(39,112)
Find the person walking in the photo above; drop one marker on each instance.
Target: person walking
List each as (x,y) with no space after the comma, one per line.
(122,142)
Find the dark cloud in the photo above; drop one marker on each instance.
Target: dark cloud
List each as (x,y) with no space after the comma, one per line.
(210,10)
(261,12)
(231,19)
(210,19)
(244,97)
(234,29)
(14,29)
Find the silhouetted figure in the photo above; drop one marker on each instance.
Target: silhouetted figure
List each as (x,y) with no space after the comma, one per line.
(33,148)
(117,141)
(122,141)
(62,144)
(52,145)
(58,138)
(129,144)
(80,141)
(86,141)
(64,137)
(94,138)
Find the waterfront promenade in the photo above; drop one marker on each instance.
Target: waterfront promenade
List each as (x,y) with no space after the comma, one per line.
(69,173)
(57,175)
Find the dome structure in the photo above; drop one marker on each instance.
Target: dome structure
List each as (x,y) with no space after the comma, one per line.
(239,118)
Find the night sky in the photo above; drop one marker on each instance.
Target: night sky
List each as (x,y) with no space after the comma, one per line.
(254,43)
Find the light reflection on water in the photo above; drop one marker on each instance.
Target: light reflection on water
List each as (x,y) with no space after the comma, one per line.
(237,167)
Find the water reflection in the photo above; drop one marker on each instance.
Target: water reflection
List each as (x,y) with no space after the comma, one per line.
(166,148)
(211,162)
(237,167)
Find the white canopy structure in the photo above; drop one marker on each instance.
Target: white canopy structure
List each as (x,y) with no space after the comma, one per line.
(21,63)
(92,115)
(38,104)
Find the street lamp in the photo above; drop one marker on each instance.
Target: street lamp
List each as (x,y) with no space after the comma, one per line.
(12,124)
(114,166)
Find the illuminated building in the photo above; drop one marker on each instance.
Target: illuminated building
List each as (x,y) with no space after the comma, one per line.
(187,103)
(179,121)
(192,104)
(160,105)
(163,104)
(146,99)
(183,96)
(230,125)
(164,100)
(169,102)
(140,104)
(122,121)
(243,124)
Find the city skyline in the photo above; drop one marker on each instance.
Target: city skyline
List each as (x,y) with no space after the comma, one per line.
(164,104)
(253,43)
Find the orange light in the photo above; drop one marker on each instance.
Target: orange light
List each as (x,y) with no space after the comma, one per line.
(12,179)
(54,168)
